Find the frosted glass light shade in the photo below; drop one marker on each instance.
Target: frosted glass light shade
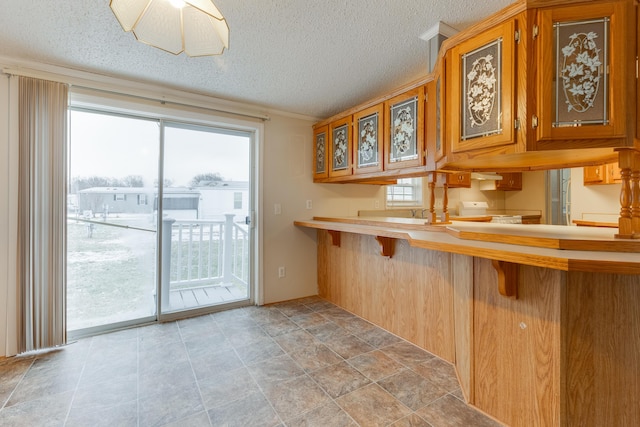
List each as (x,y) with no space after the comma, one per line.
(197,29)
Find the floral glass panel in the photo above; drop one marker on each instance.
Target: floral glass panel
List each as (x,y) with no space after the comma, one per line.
(403,131)
(368,141)
(482,91)
(321,148)
(340,147)
(581,79)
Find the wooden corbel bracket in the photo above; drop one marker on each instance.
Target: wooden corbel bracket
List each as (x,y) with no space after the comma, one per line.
(335,237)
(507,278)
(387,245)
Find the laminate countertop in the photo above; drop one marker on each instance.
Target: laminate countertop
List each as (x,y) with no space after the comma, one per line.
(565,248)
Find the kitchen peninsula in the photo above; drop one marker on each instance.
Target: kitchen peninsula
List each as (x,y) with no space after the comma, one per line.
(538,335)
(541,322)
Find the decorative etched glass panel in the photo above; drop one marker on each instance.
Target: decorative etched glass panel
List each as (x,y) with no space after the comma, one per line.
(340,147)
(581,77)
(368,141)
(321,148)
(403,131)
(482,91)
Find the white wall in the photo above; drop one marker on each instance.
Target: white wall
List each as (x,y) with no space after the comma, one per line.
(288,182)
(593,199)
(532,197)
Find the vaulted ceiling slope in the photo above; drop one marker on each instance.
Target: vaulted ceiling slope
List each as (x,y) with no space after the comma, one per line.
(309,57)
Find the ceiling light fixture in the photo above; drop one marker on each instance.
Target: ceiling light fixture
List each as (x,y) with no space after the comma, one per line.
(195,27)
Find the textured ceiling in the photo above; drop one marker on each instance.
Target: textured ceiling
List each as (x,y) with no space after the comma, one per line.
(311,57)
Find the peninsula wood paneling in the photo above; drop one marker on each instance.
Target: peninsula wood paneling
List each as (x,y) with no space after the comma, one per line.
(517,350)
(603,347)
(462,276)
(409,294)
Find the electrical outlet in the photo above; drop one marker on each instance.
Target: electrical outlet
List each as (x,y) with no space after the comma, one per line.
(376,204)
(438,204)
(309,204)
(277,209)
(281,272)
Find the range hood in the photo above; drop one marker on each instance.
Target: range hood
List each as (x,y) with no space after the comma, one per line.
(485,176)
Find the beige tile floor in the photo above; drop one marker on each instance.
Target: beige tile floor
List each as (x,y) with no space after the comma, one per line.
(300,363)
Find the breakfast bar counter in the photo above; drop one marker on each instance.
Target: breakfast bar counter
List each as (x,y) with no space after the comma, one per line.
(542,323)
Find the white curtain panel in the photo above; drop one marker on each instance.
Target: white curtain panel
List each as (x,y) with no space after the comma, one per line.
(42,214)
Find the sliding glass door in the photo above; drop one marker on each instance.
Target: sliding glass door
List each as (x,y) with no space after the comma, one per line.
(111,223)
(158,220)
(206,205)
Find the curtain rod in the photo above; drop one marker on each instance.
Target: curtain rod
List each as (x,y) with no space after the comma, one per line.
(115,86)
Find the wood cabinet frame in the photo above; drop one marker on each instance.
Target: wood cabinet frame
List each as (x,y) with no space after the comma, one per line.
(619,90)
(434,124)
(507,98)
(376,110)
(347,124)
(320,152)
(419,159)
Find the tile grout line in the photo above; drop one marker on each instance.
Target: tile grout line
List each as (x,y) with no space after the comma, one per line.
(4,405)
(75,391)
(195,377)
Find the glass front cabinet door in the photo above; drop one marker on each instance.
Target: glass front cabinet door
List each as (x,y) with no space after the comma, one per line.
(481,82)
(320,150)
(586,69)
(340,147)
(404,127)
(368,139)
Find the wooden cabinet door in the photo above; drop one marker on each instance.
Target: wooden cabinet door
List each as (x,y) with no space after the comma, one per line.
(613,173)
(459,180)
(368,139)
(510,182)
(320,150)
(585,72)
(481,81)
(594,175)
(340,147)
(404,127)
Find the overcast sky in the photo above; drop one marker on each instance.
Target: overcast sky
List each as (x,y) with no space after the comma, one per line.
(111,146)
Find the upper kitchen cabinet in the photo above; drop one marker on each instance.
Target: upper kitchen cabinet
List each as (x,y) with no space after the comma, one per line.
(404,127)
(320,150)
(340,147)
(585,59)
(510,182)
(368,139)
(481,109)
(602,174)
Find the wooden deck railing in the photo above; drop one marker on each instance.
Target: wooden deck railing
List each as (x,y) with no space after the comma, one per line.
(203,252)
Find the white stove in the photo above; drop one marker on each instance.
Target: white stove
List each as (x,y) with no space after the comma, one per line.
(480,209)
(506,219)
